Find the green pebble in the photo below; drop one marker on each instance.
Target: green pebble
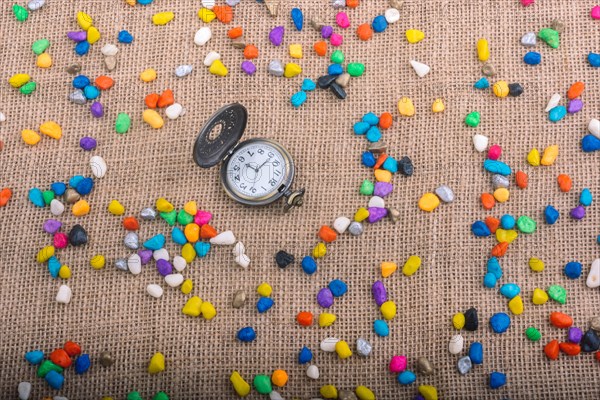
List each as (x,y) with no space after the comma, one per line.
(40,46)
(184,218)
(170,217)
(356,69)
(48,366)
(550,36)
(337,57)
(526,224)
(48,196)
(160,396)
(262,384)
(28,88)
(472,119)
(134,396)
(533,334)
(21,13)
(558,293)
(367,188)
(123,123)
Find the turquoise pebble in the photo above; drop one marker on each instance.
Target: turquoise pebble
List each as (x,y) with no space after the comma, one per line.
(155,242)
(298,98)
(368,159)
(480,229)
(598,239)
(507,221)
(483,83)
(371,119)
(264,304)
(360,128)
(494,267)
(178,236)
(557,113)
(308,85)
(305,355)
(202,248)
(55,380)
(407,377)
(594,59)
(496,167)
(590,143)
(489,280)
(53,266)
(309,265)
(381,328)
(34,357)
(390,164)
(91,92)
(551,214)
(82,48)
(476,353)
(335,69)
(373,134)
(144,2)
(36,197)
(75,180)
(58,188)
(510,290)
(585,198)
(500,322)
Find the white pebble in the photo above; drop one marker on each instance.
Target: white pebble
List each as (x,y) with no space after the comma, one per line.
(341,224)
(98,166)
(456,344)
(59,398)
(56,207)
(174,280)
(174,111)
(445,193)
(376,201)
(594,127)
(64,294)
(154,290)
(392,15)
(109,50)
(529,39)
(243,261)
(179,263)
(208,4)
(2,117)
(553,102)
(24,390)
(328,344)
(225,238)
(593,279)
(202,36)
(275,396)
(313,372)
(161,254)
(420,68)
(239,249)
(480,142)
(35,5)
(134,263)
(211,57)
(183,70)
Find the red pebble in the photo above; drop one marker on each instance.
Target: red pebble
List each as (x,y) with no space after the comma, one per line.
(5,195)
(522,179)
(551,350)
(492,223)
(598,356)
(72,349)
(386,120)
(304,318)
(104,82)
(327,234)
(166,99)
(500,249)
(380,160)
(560,320)
(494,152)
(207,231)
(60,358)
(571,349)
(131,224)
(61,240)
(320,48)
(151,100)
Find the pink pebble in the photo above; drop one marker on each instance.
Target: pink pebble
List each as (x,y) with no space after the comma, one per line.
(527,2)
(397,364)
(595,13)
(202,217)
(342,20)
(494,152)
(336,39)
(60,240)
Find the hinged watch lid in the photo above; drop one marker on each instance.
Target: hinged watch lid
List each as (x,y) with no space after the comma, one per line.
(232,120)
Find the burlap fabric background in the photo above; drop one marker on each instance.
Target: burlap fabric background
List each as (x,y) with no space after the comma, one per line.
(110,309)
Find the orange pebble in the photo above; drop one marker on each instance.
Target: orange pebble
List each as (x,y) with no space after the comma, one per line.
(522,179)
(224,13)
(166,99)
(250,52)
(571,349)
(598,356)
(560,320)
(192,232)
(551,350)
(279,377)
(5,196)
(364,32)
(492,223)
(131,224)
(500,249)
(235,33)
(151,100)
(304,318)
(488,201)
(320,48)
(60,358)
(380,160)
(352,3)
(386,120)
(72,348)
(564,182)
(104,82)
(207,232)
(327,234)
(575,90)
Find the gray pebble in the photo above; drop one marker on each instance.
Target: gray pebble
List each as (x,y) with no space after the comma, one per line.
(77,97)
(276,68)
(239,298)
(394,215)
(121,264)
(377,147)
(355,228)
(74,69)
(500,181)
(363,348)
(35,5)
(110,62)
(346,395)
(397,4)
(338,3)
(232,3)
(424,366)
(343,79)
(445,193)
(529,39)
(106,359)
(71,196)
(595,324)
(183,70)
(558,25)
(24,390)
(132,241)
(148,214)
(464,365)
(488,69)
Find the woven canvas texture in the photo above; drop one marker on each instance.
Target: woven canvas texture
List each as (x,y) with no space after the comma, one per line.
(111,310)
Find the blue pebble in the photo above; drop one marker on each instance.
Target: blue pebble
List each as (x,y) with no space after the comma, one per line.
(144,2)
(497,380)
(476,353)
(507,221)
(590,143)
(496,167)
(532,58)
(489,280)
(297,18)
(91,92)
(309,265)
(34,357)
(81,81)
(338,288)
(264,304)
(551,214)
(74,181)
(557,113)
(480,229)
(202,248)
(125,37)
(573,270)
(178,236)
(53,266)
(58,188)
(155,242)
(373,134)
(390,164)
(493,266)
(85,186)
(82,364)
(379,24)
(246,334)
(510,290)
(371,119)
(407,377)
(308,85)
(305,355)
(585,198)
(381,328)
(598,239)
(82,48)
(55,380)
(36,197)
(335,69)
(298,98)
(594,59)
(368,159)
(360,128)
(483,83)
(500,322)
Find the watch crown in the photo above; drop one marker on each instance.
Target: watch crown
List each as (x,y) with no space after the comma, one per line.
(293,199)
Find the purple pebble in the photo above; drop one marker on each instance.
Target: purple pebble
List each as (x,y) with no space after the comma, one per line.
(52,226)
(87,143)
(379,293)
(376,214)
(248,67)
(574,106)
(276,35)
(325,298)
(382,189)
(578,212)
(164,267)
(326,32)
(145,256)
(78,36)
(97,109)
(575,335)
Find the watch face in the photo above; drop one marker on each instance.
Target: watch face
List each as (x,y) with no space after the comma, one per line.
(256,170)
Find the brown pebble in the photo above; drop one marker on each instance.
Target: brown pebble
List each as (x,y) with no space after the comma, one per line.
(239,298)
(110,62)
(397,4)
(394,214)
(273,7)
(106,359)
(377,147)
(71,196)
(488,69)
(346,395)
(317,24)
(343,79)
(239,43)
(558,25)
(424,366)
(595,324)
(1,145)
(74,69)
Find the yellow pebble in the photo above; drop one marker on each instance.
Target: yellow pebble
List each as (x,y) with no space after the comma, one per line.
(18,80)
(264,289)
(550,154)
(116,208)
(84,20)
(428,392)
(241,387)
(326,319)
(536,264)
(148,75)
(406,107)
(483,50)
(382,175)
(44,254)
(191,208)
(131,2)
(296,50)
(162,18)
(364,393)
(157,364)
(500,89)
(320,250)
(501,195)
(30,137)
(506,235)
(414,36)
(291,70)
(218,68)
(343,350)
(458,321)
(193,307)
(411,265)
(98,261)
(208,311)
(64,272)
(329,392)
(388,268)
(163,205)
(429,202)
(187,286)
(539,297)
(107,398)
(388,310)
(51,129)
(188,253)
(93,35)
(153,119)
(206,15)
(516,305)
(44,61)
(438,106)
(80,208)
(361,214)
(533,158)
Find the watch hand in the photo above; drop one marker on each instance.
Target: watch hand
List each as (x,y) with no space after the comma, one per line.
(268,159)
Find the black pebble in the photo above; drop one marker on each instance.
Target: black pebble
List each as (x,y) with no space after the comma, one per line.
(515,89)
(78,236)
(339,91)
(471,320)
(590,342)
(405,166)
(325,81)
(283,259)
